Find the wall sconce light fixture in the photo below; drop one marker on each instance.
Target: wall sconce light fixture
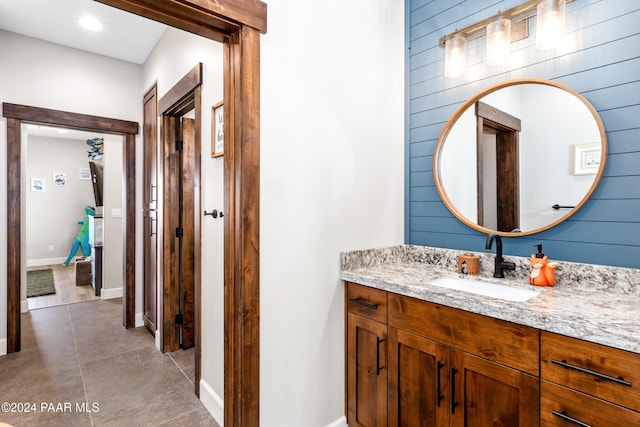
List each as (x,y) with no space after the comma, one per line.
(498,41)
(504,28)
(455,56)
(550,23)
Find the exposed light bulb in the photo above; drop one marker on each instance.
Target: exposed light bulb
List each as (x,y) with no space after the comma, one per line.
(90,23)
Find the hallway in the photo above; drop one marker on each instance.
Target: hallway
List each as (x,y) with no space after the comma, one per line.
(79,367)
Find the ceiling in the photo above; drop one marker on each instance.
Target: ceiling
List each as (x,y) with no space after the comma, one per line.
(125,36)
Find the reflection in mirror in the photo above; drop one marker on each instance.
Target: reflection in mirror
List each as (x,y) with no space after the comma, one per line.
(520,157)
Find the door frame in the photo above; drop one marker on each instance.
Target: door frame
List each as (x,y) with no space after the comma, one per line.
(184,96)
(238,25)
(16,115)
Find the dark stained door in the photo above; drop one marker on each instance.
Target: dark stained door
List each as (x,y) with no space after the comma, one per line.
(188,224)
(503,188)
(508,181)
(150,197)
(179,237)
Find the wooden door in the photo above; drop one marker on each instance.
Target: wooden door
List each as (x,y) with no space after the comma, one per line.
(367,372)
(484,393)
(508,181)
(178,235)
(149,203)
(188,239)
(170,337)
(505,186)
(418,381)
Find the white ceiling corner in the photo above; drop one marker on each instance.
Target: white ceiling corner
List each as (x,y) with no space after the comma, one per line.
(125,36)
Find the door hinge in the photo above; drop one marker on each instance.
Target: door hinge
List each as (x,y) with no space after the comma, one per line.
(179,232)
(179,319)
(179,145)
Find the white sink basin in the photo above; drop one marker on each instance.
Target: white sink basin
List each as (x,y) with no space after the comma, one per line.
(485,288)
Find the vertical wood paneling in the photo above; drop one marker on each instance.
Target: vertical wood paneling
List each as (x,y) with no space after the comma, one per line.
(602,65)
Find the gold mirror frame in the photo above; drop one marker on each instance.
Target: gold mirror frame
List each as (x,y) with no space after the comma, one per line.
(469,104)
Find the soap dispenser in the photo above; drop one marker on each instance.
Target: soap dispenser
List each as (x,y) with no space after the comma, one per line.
(543,273)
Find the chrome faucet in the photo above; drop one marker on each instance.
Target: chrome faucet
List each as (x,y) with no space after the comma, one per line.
(500,263)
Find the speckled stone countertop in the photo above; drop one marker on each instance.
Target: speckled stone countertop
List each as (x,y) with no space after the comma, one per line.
(596,303)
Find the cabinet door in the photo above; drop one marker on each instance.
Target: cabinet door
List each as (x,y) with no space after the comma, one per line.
(484,393)
(418,381)
(366,372)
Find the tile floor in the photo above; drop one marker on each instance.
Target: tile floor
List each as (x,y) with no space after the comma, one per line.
(79,354)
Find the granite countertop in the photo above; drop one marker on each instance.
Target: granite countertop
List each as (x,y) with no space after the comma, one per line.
(600,304)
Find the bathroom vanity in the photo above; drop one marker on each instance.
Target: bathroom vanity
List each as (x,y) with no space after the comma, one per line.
(416,351)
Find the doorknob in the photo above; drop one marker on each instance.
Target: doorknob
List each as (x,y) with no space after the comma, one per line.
(214,213)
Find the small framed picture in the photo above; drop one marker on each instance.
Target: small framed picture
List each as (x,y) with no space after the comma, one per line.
(38,184)
(217,130)
(59,179)
(586,158)
(85,174)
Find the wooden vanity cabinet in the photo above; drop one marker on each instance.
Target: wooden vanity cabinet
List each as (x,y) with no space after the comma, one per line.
(443,367)
(588,383)
(366,356)
(418,381)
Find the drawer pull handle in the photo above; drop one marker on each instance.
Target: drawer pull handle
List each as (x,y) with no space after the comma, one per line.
(364,303)
(566,417)
(564,364)
(378,367)
(454,371)
(439,367)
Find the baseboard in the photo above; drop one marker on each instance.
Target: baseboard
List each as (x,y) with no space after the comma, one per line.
(3,346)
(111,293)
(340,422)
(24,306)
(45,261)
(212,402)
(139,320)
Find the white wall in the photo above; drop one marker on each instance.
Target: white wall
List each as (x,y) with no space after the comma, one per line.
(332,169)
(113,248)
(52,216)
(47,75)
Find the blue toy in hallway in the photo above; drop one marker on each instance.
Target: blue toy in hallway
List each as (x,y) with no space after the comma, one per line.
(82,239)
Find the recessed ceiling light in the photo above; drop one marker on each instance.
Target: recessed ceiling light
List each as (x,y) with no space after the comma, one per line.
(90,23)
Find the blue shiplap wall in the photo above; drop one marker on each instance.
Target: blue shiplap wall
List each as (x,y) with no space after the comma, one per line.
(601,60)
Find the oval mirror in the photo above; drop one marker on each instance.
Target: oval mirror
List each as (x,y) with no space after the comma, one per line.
(520,157)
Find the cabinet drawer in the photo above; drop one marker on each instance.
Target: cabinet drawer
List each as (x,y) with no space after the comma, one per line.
(601,371)
(503,342)
(367,302)
(560,406)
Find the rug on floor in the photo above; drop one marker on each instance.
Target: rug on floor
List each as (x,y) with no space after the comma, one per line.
(40,282)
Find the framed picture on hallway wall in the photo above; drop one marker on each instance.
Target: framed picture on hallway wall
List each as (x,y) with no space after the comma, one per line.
(59,179)
(38,184)
(217,130)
